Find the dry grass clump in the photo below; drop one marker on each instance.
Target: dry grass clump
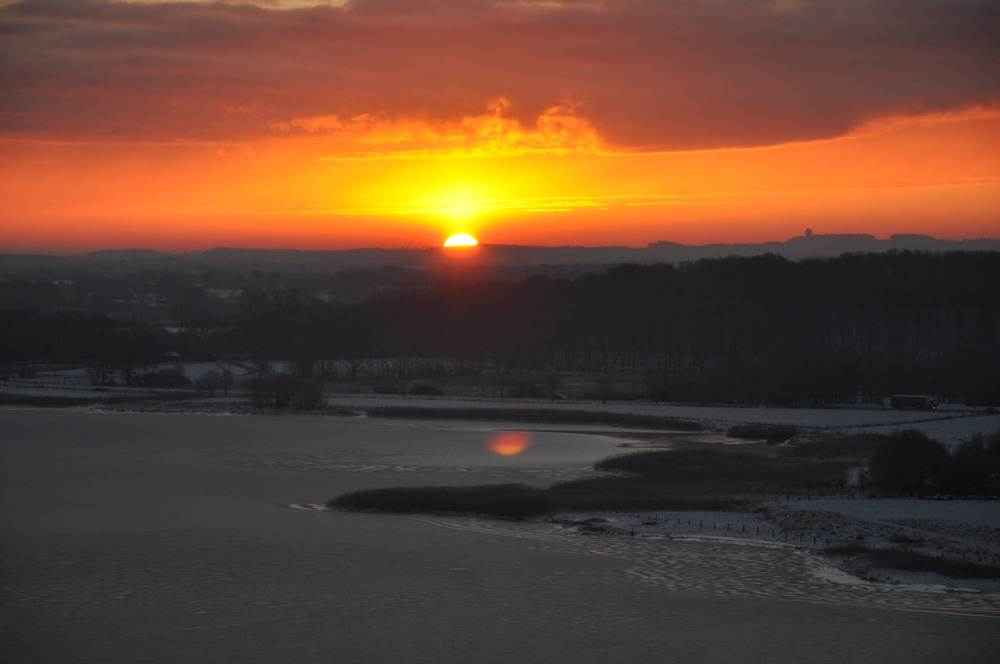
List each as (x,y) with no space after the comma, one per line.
(677,480)
(833,447)
(539,416)
(508,500)
(15,399)
(60,401)
(709,471)
(772,433)
(912,561)
(517,501)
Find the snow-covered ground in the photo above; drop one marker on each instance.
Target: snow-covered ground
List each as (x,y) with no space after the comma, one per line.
(966,530)
(76,382)
(949,424)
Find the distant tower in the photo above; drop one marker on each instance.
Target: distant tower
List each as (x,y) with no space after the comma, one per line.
(809,232)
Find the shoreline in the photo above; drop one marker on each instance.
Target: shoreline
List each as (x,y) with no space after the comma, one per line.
(815,522)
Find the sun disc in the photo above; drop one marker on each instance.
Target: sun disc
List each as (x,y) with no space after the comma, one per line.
(461,240)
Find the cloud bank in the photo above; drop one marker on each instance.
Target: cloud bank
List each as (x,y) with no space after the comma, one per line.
(680,75)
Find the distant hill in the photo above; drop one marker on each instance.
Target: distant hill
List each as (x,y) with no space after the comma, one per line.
(121,255)
(819,246)
(506,258)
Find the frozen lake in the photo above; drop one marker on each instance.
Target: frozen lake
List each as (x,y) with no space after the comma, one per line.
(137,537)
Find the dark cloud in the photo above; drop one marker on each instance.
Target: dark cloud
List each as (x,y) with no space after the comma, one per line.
(648,75)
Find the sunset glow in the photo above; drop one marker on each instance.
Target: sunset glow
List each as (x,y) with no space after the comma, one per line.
(559,139)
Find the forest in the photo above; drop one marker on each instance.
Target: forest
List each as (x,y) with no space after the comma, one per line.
(857,327)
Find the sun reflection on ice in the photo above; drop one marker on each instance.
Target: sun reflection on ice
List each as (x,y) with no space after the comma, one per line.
(508,444)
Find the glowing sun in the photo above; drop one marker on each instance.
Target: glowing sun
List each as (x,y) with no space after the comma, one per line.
(461,241)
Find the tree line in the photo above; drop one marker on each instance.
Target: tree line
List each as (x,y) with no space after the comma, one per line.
(910,463)
(739,328)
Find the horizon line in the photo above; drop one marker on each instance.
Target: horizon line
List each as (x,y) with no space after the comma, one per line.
(647,246)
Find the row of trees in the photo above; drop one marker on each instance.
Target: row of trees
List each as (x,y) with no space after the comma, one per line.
(114,350)
(912,464)
(737,328)
(719,329)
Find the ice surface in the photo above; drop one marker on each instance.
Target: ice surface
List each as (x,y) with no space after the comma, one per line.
(142,537)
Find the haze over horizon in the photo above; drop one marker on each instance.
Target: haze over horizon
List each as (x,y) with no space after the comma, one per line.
(496,261)
(323,124)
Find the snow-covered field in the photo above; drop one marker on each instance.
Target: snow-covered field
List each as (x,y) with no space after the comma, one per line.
(76,382)
(967,530)
(949,424)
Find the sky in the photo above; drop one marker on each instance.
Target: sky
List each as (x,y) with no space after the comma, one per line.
(314,124)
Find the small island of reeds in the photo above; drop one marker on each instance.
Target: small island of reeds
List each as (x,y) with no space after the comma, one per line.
(745,478)
(686,477)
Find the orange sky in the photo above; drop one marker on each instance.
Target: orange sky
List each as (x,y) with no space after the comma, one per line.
(187,126)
